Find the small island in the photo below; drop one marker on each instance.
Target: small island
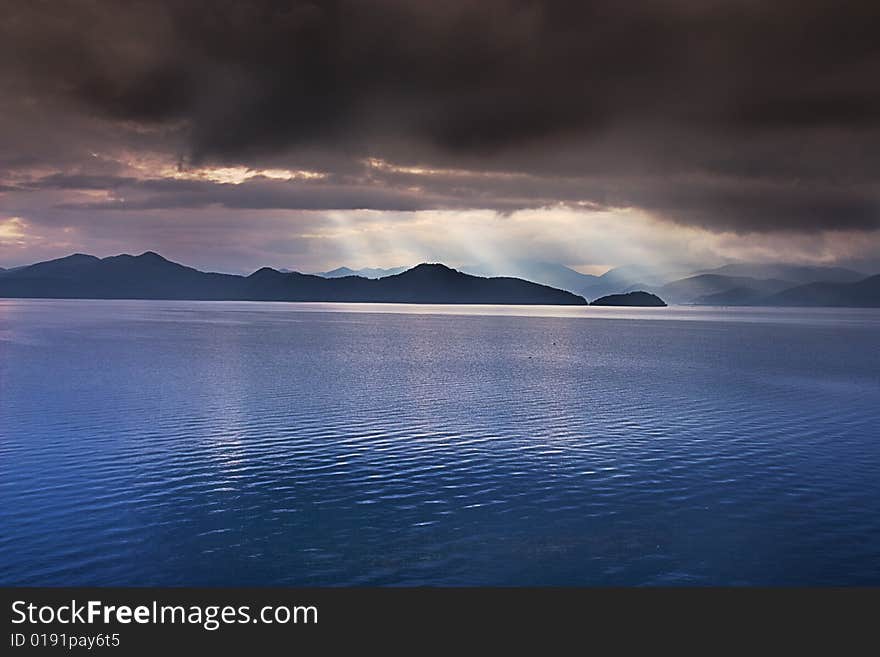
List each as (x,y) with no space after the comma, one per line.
(645,299)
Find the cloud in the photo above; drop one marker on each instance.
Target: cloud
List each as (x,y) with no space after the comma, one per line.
(235,240)
(729,116)
(12,230)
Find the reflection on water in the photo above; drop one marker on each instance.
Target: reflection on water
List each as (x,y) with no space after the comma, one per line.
(271,443)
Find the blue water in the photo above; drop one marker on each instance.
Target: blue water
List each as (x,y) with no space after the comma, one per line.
(203,443)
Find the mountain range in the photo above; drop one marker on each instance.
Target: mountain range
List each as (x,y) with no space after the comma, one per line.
(712,289)
(864,293)
(737,284)
(150,276)
(366,272)
(619,279)
(773,285)
(796,273)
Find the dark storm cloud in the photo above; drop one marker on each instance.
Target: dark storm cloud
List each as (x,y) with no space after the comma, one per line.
(739,115)
(265,195)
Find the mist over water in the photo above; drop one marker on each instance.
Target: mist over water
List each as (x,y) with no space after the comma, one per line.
(235,443)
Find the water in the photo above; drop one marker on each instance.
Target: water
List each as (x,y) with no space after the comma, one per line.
(200,443)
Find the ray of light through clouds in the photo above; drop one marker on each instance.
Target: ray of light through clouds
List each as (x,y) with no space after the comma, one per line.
(311,135)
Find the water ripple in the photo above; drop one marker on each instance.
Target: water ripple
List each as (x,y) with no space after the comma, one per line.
(173,443)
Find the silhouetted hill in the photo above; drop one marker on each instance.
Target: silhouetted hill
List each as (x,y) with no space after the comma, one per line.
(638,298)
(150,276)
(147,276)
(445,285)
(862,294)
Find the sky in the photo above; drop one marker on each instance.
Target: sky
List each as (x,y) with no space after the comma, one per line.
(309,135)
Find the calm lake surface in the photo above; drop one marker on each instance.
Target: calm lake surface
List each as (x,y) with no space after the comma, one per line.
(234,443)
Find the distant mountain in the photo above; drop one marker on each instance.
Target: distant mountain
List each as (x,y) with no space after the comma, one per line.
(730,286)
(862,294)
(366,272)
(638,298)
(630,278)
(696,289)
(794,273)
(736,296)
(628,275)
(150,276)
(619,279)
(547,273)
